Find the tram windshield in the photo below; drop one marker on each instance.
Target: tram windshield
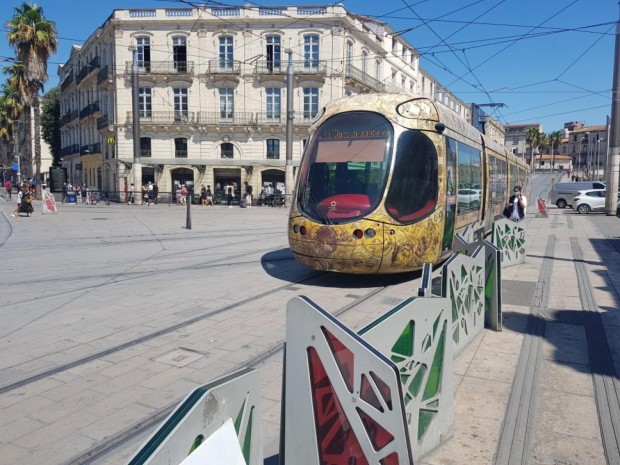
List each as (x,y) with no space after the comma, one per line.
(345,168)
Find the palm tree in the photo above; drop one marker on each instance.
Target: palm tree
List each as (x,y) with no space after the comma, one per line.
(16,90)
(555,138)
(34,39)
(533,137)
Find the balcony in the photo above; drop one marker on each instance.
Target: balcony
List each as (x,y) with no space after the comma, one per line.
(67,82)
(163,117)
(219,118)
(145,153)
(93,65)
(89,110)
(104,121)
(300,118)
(162,68)
(103,74)
(354,75)
(69,150)
(180,154)
(68,117)
(223,68)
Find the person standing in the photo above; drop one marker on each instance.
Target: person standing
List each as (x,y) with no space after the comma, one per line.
(155,193)
(248,195)
(184,192)
(517,205)
(15,212)
(230,194)
(9,187)
(209,196)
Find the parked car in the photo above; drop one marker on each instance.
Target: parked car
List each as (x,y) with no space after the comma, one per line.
(470,198)
(590,200)
(562,193)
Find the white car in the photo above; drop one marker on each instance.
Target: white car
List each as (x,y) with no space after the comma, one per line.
(590,200)
(470,198)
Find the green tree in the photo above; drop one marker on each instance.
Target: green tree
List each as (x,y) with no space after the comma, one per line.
(555,139)
(50,122)
(534,138)
(34,40)
(17,90)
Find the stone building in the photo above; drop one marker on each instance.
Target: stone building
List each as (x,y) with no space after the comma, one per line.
(212,90)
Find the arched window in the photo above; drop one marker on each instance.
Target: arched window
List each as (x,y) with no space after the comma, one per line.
(365,62)
(180,147)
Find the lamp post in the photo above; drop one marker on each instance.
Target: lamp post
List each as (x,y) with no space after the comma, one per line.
(135,104)
(288,173)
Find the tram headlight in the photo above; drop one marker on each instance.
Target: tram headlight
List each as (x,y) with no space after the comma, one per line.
(358,233)
(370,233)
(296,228)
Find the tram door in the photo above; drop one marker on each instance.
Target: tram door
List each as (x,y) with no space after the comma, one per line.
(448,229)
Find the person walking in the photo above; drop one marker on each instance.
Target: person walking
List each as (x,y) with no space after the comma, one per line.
(209,196)
(184,192)
(8,186)
(15,212)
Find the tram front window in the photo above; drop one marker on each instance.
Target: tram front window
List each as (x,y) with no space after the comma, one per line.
(345,168)
(413,191)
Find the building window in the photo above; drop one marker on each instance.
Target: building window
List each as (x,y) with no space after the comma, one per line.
(227,150)
(273,104)
(180,104)
(274,55)
(180,147)
(365,62)
(143,52)
(145,147)
(349,52)
(227,107)
(311,102)
(311,51)
(179,53)
(226,53)
(273,148)
(145,102)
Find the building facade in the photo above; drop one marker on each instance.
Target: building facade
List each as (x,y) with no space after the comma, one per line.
(212,90)
(588,146)
(516,140)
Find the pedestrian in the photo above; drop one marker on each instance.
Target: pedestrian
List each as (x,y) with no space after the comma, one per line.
(20,194)
(248,195)
(26,206)
(230,194)
(32,184)
(132,194)
(203,195)
(517,205)
(209,196)
(184,192)
(9,187)
(155,193)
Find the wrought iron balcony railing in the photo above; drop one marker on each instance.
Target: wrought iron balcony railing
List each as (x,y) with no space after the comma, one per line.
(360,76)
(103,75)
(163,117)
(89,109)
(185,68)
(299,67)
(227,67)
(225,118)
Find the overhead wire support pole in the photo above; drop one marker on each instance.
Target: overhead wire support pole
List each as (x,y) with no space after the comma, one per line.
(135,104)
(288,174)
(613,163)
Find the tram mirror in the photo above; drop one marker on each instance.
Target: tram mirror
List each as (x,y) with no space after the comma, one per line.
(440,127)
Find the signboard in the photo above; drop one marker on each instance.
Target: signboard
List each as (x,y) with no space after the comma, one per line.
(58,177)
(49,203)
(15,166)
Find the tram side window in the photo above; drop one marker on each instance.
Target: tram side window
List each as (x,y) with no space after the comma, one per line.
(500,187)
(470,179)
(513,176)
(413,191)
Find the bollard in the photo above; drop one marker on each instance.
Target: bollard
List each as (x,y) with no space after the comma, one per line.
(188,217)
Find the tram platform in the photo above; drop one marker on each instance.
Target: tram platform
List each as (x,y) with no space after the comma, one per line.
(545,390)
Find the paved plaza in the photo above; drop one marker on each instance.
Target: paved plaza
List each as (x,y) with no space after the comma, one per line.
(112,314)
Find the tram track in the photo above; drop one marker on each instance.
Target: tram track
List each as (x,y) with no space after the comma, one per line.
(114,442)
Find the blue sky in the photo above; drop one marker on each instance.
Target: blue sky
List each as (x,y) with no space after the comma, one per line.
(548,61)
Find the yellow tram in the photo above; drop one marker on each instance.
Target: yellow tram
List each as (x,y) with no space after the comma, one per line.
(387,180)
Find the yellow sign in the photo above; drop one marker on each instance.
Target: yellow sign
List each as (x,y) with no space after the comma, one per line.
(110,140)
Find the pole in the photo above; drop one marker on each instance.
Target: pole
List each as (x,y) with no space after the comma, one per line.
(288,174)
(188,215)
(135,105)
(611,196)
